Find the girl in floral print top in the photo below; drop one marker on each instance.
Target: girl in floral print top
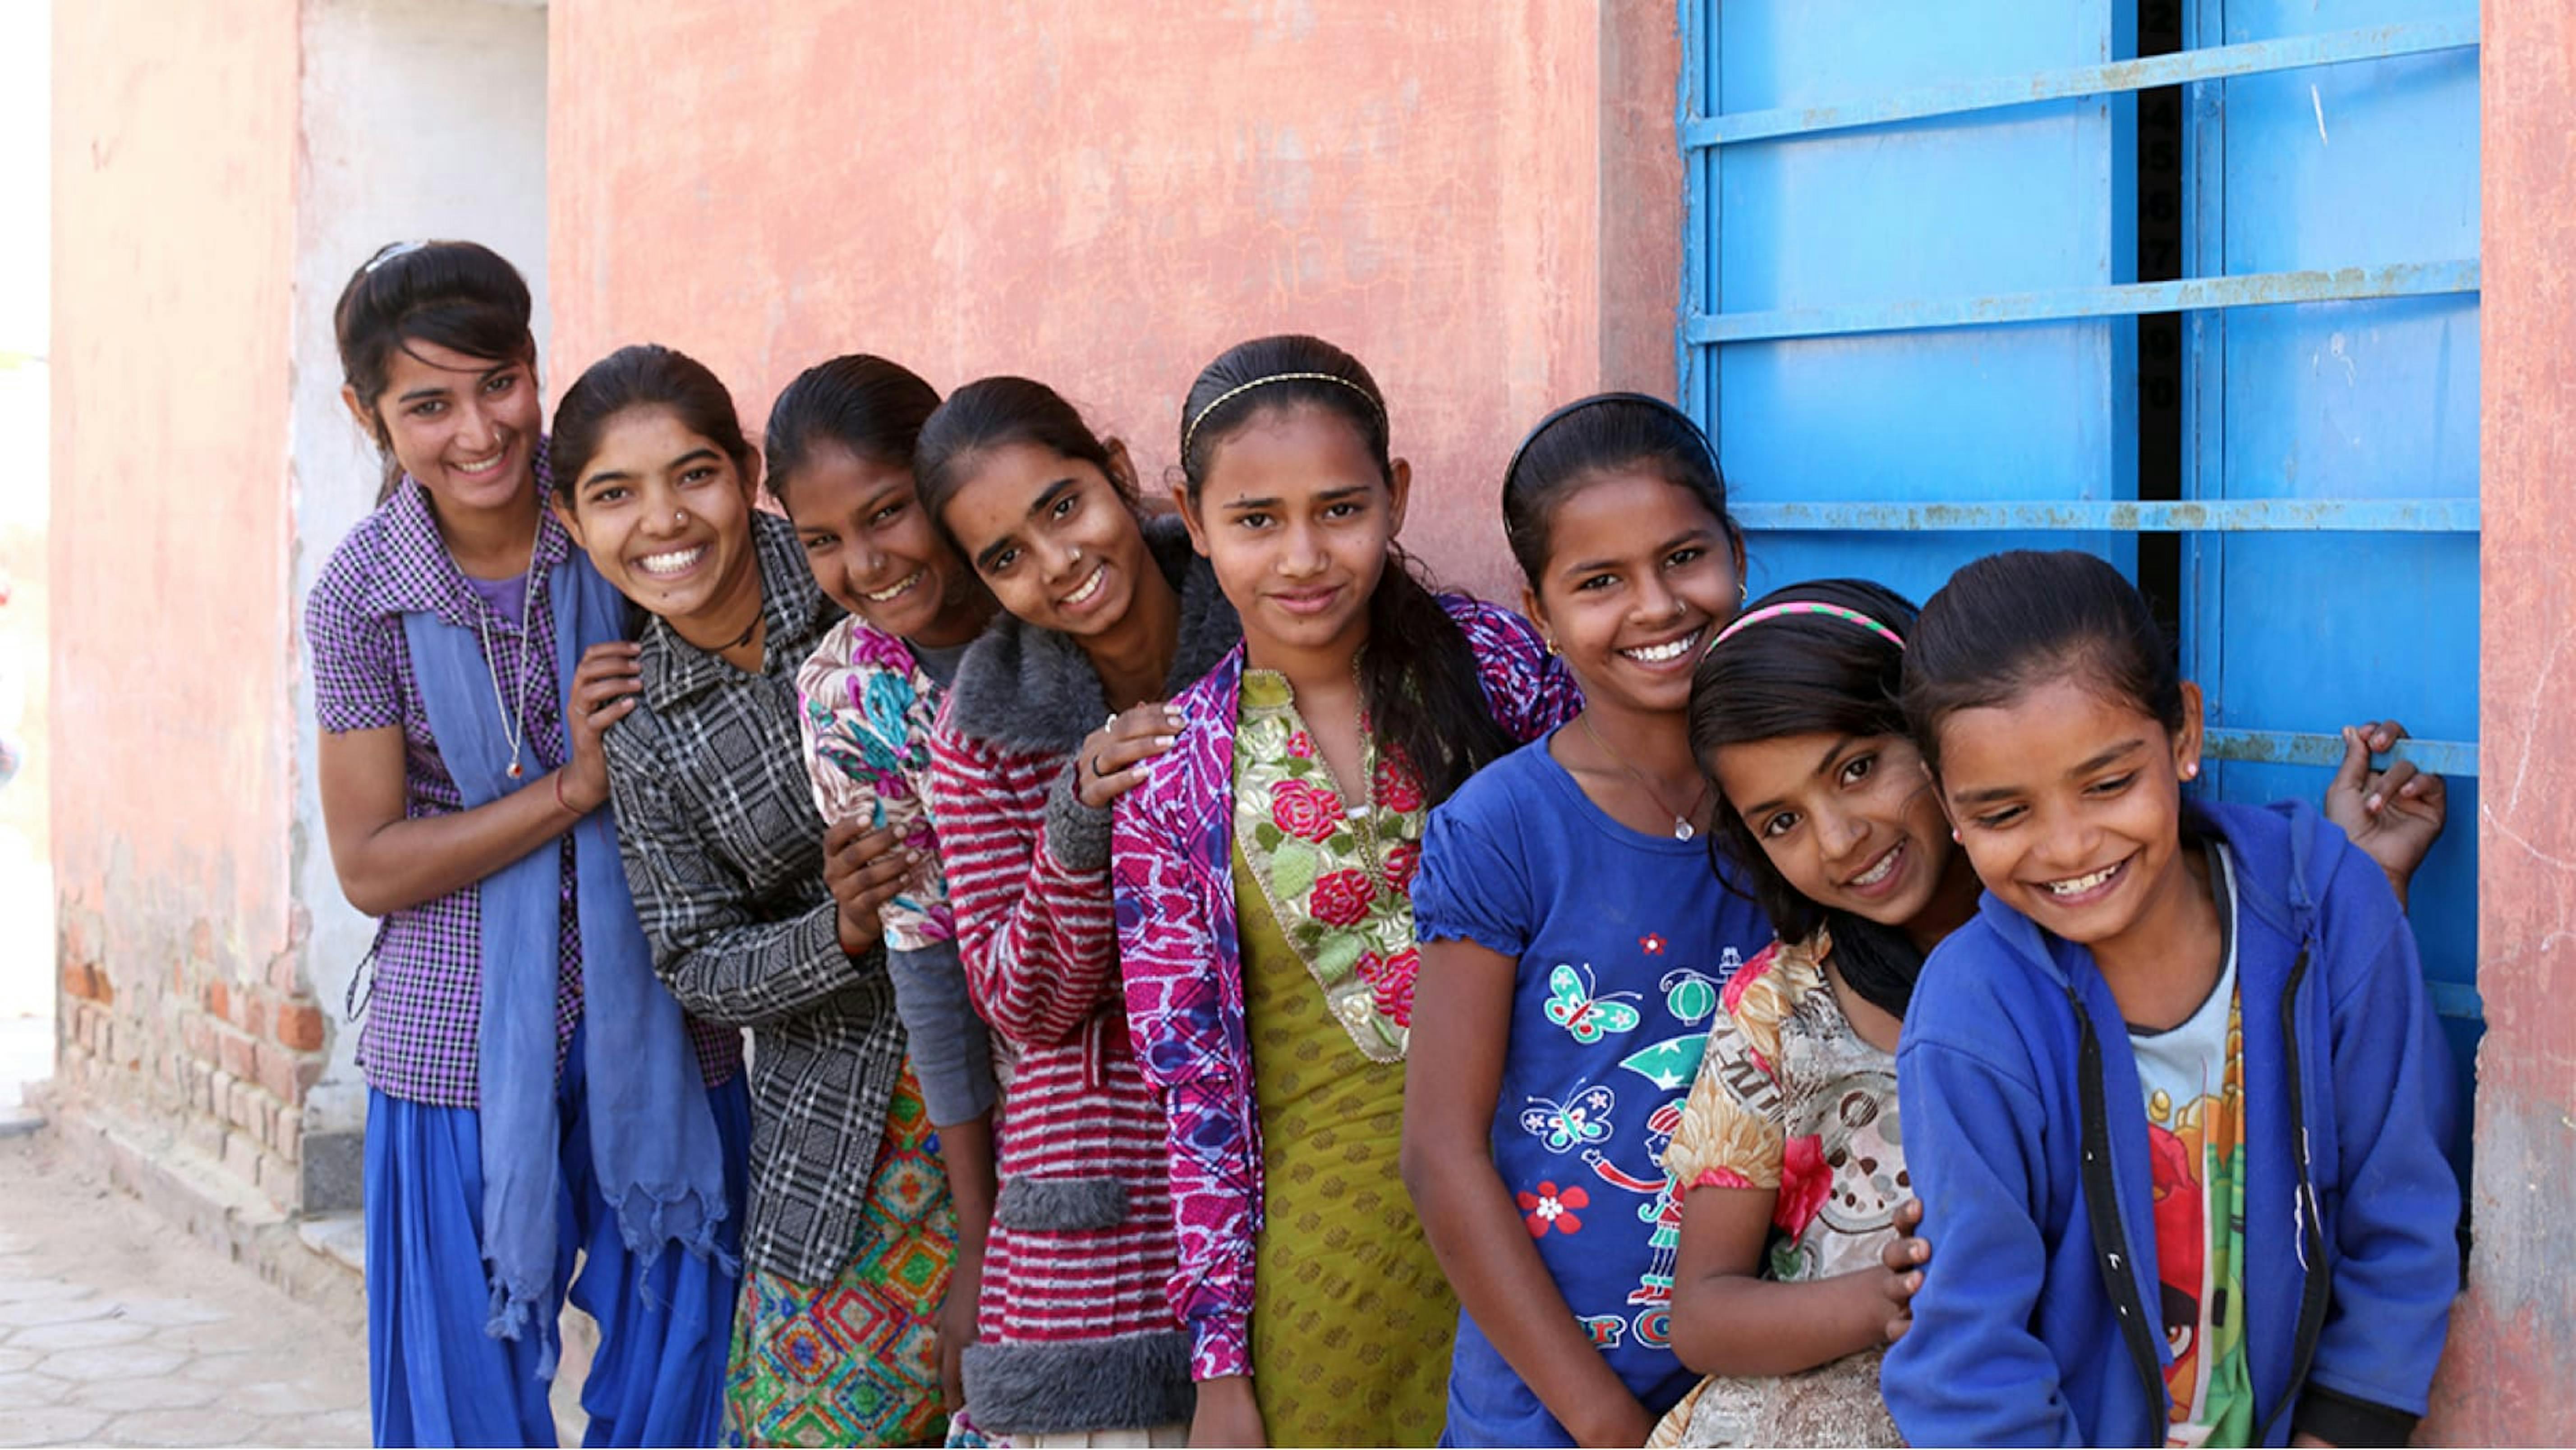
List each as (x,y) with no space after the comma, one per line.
(840,446)
(1574,944)
(1283,828)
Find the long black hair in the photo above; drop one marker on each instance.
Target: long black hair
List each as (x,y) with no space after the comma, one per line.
(461,296)
(1418,678)
(861,402)
(1593,437)
(1810,674)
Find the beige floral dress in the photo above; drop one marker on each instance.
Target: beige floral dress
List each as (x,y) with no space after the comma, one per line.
(1790,1098)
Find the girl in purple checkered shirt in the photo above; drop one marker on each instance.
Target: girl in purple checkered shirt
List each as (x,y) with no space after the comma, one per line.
(461,779)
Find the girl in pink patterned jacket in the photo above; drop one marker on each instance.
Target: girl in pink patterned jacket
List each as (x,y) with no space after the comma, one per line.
(1263,871)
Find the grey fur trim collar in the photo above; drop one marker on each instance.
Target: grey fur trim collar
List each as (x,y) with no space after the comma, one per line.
(1065,1386)
(1024,688)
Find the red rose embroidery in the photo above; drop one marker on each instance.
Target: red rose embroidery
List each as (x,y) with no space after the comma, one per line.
(1804,1184)
(1303,811)
(1391,983)
(1550,1209)
(1341,898)
(1401,859)
(1396,788)
(1301,745)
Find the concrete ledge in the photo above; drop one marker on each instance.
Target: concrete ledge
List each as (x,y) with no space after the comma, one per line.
(185,1186)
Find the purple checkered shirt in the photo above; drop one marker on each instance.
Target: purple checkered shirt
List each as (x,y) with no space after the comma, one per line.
(424,1004)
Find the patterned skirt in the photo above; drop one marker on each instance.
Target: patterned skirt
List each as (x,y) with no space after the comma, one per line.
(856,1361)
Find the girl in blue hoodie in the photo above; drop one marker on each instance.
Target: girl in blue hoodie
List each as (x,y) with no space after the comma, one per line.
(2174,1099)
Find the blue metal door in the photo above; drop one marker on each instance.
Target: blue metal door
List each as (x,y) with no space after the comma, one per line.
(1910,320)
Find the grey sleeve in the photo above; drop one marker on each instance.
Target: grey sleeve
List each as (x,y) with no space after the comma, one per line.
(952,1051)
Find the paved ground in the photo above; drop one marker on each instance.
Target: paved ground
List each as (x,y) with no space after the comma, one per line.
(116,1328)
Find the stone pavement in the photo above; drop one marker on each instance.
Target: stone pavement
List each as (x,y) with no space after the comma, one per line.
(117,1328)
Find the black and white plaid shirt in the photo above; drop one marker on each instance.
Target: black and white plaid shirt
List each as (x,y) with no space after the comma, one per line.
(724,850)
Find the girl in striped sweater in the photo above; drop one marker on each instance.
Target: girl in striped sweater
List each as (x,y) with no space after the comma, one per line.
(1107,616)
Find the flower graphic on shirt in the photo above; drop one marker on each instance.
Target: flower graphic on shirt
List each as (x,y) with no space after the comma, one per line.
(1390,982)
(1342,897)
(1652,944)
(1305,812)
(1550,1208)
(1301,745)
(1396,787)
(1805,1183)
(1401,859)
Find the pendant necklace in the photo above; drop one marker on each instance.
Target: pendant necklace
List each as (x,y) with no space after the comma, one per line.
(1683,830)
(513,727)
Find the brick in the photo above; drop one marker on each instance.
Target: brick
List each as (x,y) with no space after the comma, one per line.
(81,981)
(241,1107)
(249,1013)
(234,1051)
(299,1026)
(281,1072)
(241,1156)
(197,1035)
(285,973)
(286,1134)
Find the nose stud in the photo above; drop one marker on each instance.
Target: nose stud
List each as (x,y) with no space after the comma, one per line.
(679,518)
(1075,556)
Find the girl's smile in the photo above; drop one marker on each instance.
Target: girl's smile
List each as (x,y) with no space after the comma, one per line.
(1050,535)
(665,516)
(465,427)
(874,551)
(1851,823)
(1297,519)
(1639,578)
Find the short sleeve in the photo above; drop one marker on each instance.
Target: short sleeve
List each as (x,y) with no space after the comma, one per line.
(356,664)
(1470,885)
(1734,1125)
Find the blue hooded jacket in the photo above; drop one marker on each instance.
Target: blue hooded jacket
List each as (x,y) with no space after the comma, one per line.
(2026,1137)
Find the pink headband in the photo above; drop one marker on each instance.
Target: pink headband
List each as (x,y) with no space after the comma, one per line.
(1805,606)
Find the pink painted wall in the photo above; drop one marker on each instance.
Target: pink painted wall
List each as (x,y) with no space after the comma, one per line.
(1480,200)
(175,149)
(2505,1378)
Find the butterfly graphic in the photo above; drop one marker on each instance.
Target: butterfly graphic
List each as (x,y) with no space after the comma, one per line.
(1573,1004)
(1582,1118)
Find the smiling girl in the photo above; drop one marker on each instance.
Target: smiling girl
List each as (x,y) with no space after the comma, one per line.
(533,1092)
(1265,870)
(2175,1098)
(758,915)
(1574,945)
(841,441)
(1106,616)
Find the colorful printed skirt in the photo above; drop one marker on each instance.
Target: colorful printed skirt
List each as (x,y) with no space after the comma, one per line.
(855,1362)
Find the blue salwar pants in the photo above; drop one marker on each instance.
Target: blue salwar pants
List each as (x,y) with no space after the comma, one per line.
(434,1376)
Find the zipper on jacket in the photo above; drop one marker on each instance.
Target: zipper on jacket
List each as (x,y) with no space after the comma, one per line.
(2102,1208)
(2314,1279)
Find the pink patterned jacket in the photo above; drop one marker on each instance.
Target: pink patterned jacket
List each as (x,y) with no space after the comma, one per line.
(1171,855)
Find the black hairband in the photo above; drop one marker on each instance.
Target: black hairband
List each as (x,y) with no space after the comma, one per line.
(1564,410)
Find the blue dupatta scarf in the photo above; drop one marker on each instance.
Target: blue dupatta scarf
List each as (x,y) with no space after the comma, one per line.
(652,1135)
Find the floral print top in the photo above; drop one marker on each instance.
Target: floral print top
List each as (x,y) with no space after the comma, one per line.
(1338,878)
(1171,865)
(1790,1098)
(866,707)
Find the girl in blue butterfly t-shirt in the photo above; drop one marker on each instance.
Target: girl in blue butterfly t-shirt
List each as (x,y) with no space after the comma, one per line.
(1574,942)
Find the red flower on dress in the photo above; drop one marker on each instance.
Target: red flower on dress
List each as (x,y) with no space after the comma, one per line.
(1342,898)
(1303,811)
(1301,745)
(1391,983)
(1805,1183)
(1401,860)
(1652,944)
(1396,788)
(1551,1209)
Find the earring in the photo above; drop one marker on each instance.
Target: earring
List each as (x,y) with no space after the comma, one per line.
(1743,592)
(1547,642)
(2191,770)
(1954,834)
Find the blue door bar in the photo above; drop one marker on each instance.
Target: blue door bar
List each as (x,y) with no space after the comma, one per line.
(2208,64)
(2190,294)
(2291,747)
(2248,515)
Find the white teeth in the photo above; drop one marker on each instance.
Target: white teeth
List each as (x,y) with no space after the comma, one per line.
(1879,872)
(1089,587)
(480,465)
(1663,653)
(2077,886)
(671,563)
(891,590)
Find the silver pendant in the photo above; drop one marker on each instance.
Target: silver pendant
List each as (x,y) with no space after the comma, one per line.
(1682,829)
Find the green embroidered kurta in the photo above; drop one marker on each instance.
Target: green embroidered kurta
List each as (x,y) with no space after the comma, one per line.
(1352,1320)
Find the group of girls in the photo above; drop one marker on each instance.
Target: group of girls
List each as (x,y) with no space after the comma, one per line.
(1089,873)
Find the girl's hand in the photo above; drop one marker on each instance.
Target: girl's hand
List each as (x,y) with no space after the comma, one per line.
(2393,815)
(1622,1422)
(864,868)
(957,1325)
(605,687)
(1228,1414)
(1903,1259)
(1112,759)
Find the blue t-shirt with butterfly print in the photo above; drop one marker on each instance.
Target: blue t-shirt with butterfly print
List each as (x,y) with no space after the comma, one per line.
(1624,941)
